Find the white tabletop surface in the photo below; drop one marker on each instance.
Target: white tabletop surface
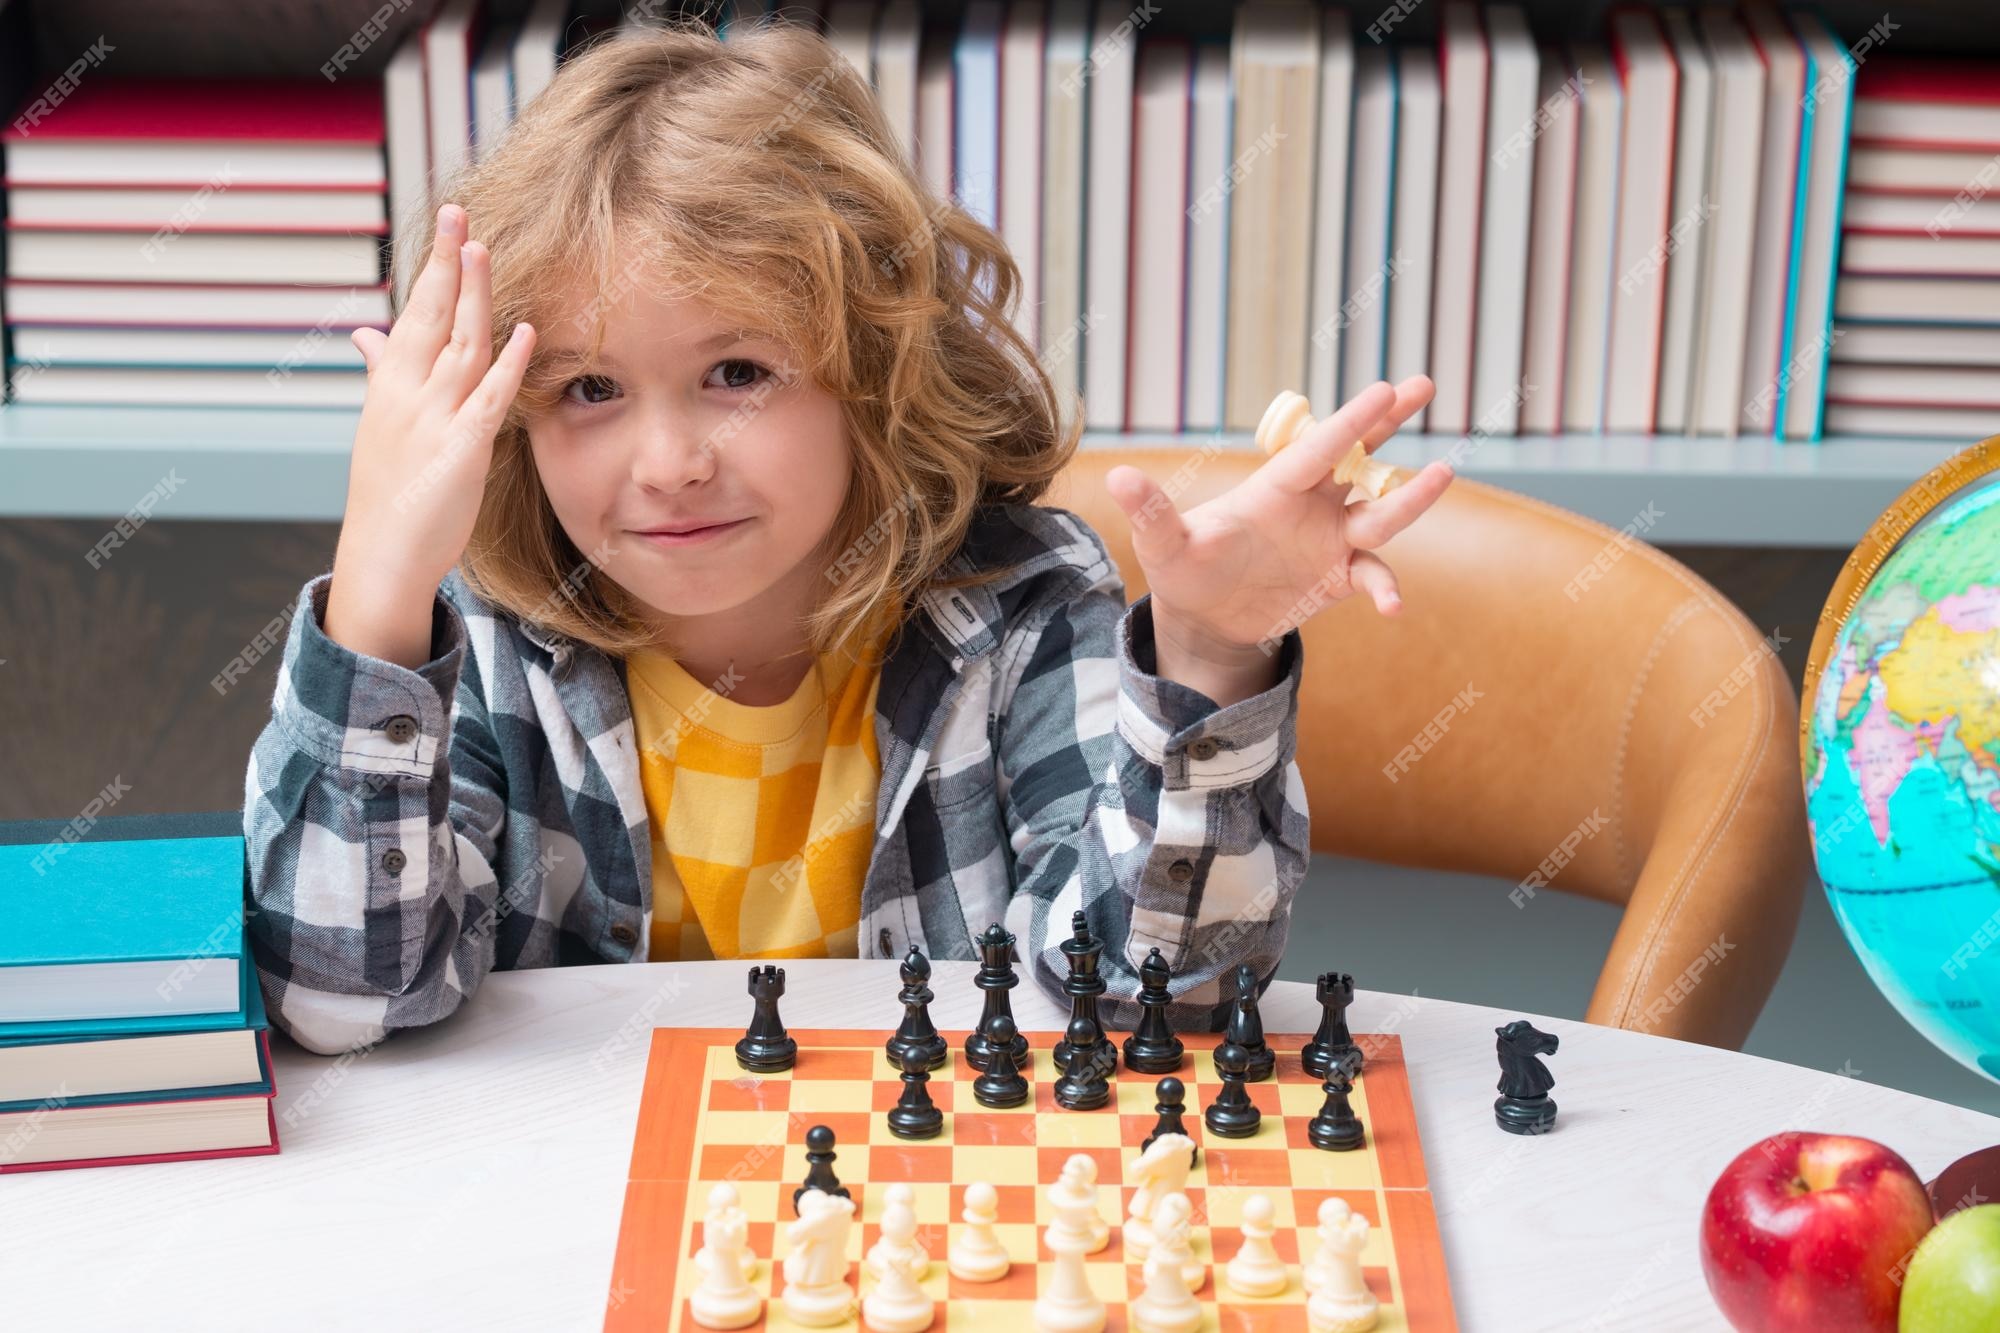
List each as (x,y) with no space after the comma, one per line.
(472,1175)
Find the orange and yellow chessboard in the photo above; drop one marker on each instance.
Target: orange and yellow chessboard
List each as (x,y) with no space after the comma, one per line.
(703,1120)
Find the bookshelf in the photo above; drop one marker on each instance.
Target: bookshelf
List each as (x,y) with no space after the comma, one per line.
(257,465)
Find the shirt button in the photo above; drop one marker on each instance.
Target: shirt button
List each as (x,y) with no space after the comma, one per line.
(1180,872)
(1203,749)
(393,860)
(623,933)
(402,728)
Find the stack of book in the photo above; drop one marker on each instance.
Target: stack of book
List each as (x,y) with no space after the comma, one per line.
(132,1027)
(211,242)
(1917,344)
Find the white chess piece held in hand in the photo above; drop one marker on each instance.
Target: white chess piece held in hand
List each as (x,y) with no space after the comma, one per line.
(724,1298)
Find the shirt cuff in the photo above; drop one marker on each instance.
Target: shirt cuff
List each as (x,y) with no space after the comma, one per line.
(1195,744)
(366,714)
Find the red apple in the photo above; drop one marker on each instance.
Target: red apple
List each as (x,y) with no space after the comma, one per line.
(1810,1233)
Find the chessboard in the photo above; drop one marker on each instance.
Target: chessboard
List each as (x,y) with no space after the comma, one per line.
(703,1120)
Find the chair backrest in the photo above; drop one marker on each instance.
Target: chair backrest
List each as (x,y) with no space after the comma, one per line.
(1556,699)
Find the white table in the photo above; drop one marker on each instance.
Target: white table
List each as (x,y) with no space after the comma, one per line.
(472,1175)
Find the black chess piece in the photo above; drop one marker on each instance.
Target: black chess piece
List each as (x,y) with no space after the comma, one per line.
(1332,1044)
(1083,985)
(1524,1105)
(765,1047)
(1153,1048)
(917,1032)
(1171,1095)
(1336,1128)
(1001,1084)
(915,1115)
(996,977)
(1246,1027)
(1232,1114)
(1086,1081)
(819,1167)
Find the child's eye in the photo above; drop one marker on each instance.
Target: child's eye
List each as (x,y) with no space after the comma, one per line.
(593,384)
(740,366)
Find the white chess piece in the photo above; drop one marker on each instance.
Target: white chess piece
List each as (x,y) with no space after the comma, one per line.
(1077,1188)
(899,1235)
(724,1298)
(974,1251)
(1160,1170)
(1067,1304)
(1341,1301)
(1290,416)
(897,1304)
(1168,1303)
(1256,1269)
(816,1291)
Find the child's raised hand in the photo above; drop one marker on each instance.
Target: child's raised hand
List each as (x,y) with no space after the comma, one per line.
(1231,576)
(436,398)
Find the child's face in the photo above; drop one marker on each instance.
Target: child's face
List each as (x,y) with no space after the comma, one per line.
(718,445)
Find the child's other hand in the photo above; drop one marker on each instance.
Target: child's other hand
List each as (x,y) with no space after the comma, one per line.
(1230,577)
(436,398)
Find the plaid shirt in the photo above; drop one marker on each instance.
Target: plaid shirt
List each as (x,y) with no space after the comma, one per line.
(408,830)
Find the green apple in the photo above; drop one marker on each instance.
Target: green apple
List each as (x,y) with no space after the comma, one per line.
(1953,1283)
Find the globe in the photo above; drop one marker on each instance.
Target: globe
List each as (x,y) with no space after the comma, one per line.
(1900,744)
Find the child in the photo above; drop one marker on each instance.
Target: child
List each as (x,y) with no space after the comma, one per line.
(710,615)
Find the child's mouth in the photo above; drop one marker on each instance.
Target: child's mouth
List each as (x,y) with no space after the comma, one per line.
(691,536)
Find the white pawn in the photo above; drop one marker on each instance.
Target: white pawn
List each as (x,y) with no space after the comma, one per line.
(974,1251)
(724,1297)
(899,1235)
(1074,1198)
(816,1291)
(1341,1301)
(1168,1304)
(1256,1269)
(1067,1304)
(897,1304)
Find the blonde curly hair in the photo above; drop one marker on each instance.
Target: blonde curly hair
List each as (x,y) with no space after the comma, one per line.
(757,175)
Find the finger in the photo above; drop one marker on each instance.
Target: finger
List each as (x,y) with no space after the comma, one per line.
(487,405)
(1158,532)
(425,322)
(470,350)
(1304,463)
(1370,574)
(1370,523)
(369,342)
(1412,396)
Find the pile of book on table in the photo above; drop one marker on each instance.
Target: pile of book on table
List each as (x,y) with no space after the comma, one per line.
(132,1028)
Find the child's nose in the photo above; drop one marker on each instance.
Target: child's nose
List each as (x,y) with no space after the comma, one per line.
(678,451)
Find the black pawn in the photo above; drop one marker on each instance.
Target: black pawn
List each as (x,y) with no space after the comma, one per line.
(917,1033)
(996,977)
(766,1048)
(1172,1100)
(819,1167)
(1332,1043)
(915,1115)
(1336,1128)
(1232,1114)
(1246,1027)
(1001,1084)
(1153,1048)
(1085,1084)
(1083,985)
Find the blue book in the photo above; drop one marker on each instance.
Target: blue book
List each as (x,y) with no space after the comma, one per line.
(133,929)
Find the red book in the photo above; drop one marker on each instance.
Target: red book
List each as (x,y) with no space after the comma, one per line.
(1913,102)
(264,133)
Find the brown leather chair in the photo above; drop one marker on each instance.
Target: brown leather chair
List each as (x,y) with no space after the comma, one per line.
(1622,731)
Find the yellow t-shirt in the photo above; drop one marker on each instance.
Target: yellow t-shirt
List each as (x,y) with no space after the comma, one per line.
(762,816)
